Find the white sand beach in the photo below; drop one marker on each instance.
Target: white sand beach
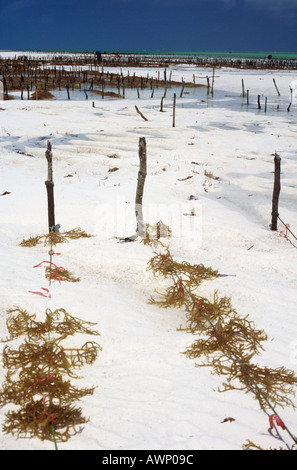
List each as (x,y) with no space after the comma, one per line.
(210,179)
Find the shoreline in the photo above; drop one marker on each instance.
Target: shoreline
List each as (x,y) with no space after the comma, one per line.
(257,61)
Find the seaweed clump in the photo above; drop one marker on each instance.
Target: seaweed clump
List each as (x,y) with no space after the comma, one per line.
(54,238)
(153,233)
(250,445)
(163,264)
(58,273)
(227,341)
(59,322)
(37,419)
(39,374)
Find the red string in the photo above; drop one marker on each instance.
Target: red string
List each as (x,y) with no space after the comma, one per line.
(51,263)
(181,288)
(286,234)
(40,264)
(45,378)
(45,413)
(41,293)
(277,420)
(51,252)
(55,276)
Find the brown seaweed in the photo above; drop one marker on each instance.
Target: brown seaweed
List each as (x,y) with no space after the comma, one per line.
(60,274)
(163,264)
(46,423)
(54,238)
(58,322)
(227,341)
(36,371)
(39,382)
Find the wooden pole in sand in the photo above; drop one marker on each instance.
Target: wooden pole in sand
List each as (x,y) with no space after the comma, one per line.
(208,85)
(288,108)
(242,86)
(213,77)
(140,187)
(276,191)
(182,90)
(276,87)
(174,104)
(50,188)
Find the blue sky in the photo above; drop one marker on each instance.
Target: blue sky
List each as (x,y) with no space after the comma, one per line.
(168,25)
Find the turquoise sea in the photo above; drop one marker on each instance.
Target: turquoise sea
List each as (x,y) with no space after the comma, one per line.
(230,54)
(227,54)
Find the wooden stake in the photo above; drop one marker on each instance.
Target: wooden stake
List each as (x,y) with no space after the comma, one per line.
(50,188)
(212,84)
(140,113)
(288,108)
(276,191)
(276,86)
(174,104)
(140,187)
(208,85)
(182,90)
(165,92)
(242,85)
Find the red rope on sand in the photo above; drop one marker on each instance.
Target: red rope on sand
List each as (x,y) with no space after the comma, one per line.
(278,421)
(41,293)
(181,290)
(51,252)
(51,263)
(45,378)
(282,232)
(45,413)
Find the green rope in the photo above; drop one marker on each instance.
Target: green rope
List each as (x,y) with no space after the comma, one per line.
(49,337)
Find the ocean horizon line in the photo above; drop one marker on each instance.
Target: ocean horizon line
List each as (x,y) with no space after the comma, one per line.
(259,54)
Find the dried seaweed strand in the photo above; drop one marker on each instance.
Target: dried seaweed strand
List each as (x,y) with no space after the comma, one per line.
(34,421)
(35,374)
(228,341)
(54,238)
(60,274)
(58,322)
